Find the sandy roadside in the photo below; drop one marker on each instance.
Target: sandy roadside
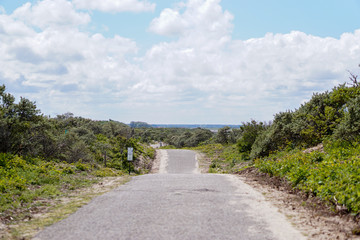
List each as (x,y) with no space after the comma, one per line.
(317,223)
(160,161)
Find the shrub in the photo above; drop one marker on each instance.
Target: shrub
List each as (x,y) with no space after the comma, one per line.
(332,176)
(68,170)
(349,127)
(280,135)
(334,113)
(81,166)
(248,133)
(107,172)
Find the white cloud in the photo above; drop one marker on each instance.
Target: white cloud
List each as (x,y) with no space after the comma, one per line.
(170,23)
(58,65)
(115,5)
(199,17)
(51,13)
(201,76)
(255,77)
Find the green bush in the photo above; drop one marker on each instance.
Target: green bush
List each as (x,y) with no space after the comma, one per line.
(22,181)
(82,167)
(333,176)
(349,127)
(68,170)
(332,114)
(248,133)
(107,172)
(224,158)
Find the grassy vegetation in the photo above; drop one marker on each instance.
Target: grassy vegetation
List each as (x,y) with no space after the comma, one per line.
(26,183)
(168,147)
(223,158)
(332,175)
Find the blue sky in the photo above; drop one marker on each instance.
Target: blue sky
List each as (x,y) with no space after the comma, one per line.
(193,61)
(252,19)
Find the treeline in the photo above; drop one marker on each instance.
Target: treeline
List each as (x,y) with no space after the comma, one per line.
(177,137)
(24,131)
(185,137)
(333,115)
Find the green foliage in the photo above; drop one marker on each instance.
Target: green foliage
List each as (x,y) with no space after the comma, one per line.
(178,137)
(223,158)
(68,170)
(333,176)
(19,123)
(277,136)
(332,114)
(349,127)
(24,131)
(107,172)
(23,180)
(73,149)
(82,167)
(248,133)
(225,135)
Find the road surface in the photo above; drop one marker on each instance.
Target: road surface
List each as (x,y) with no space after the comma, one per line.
(177,203)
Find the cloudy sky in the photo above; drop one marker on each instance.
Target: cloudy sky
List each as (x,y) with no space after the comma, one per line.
(173,61)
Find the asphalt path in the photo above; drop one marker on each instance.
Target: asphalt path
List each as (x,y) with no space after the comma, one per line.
(178,203)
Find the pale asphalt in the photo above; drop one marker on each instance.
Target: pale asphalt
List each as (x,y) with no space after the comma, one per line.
(177,203)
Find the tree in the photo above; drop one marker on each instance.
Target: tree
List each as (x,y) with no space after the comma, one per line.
(18,123)
(199,135)
(248,133)
(225,136)
(349,127)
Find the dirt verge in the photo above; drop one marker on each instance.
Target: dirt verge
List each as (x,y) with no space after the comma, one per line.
(203,162)
(309,214)
(156,163)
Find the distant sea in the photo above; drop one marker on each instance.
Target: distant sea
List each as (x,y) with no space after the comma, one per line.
(206,126)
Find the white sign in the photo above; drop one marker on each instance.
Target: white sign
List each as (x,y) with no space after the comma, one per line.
(130,154)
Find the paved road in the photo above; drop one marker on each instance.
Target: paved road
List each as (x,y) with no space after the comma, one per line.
(180,161)
(178,204)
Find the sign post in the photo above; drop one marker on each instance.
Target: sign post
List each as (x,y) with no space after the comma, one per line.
(130,155)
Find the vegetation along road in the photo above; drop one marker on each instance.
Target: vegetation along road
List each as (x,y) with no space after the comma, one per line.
(176,203)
